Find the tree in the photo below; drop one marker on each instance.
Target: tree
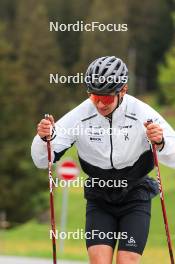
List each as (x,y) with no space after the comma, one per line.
(151,32)
(166,77)
(26,96)
(97,43)
(69,12)
(38,57)
(149,35)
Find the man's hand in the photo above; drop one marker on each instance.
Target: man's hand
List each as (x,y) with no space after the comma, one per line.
(154,133)
(45,126)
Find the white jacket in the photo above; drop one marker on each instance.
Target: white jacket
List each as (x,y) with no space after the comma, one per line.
(90,132)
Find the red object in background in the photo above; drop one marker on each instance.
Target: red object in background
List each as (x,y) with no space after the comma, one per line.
(68,170)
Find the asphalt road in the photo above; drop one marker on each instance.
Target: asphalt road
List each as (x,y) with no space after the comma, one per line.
(20,260)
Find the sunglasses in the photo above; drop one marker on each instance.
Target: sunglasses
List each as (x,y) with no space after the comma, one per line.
(105,99)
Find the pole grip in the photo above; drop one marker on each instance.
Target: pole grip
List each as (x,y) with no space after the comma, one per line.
(46,116)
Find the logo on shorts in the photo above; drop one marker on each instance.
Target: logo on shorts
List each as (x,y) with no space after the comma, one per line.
(131,242)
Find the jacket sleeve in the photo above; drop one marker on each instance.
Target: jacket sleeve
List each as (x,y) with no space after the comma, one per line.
(167,154)
(64,140)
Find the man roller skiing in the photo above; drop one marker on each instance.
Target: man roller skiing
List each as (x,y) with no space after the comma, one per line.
(115,147)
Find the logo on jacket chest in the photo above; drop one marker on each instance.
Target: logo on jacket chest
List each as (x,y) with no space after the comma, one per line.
(95,134)
(96,139)
(124,130)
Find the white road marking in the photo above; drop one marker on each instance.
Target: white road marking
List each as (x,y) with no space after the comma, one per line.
(22,260)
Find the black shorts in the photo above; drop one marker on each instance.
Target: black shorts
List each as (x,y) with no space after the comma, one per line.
(127,223)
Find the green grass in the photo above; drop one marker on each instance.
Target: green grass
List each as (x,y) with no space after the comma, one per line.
(32,238)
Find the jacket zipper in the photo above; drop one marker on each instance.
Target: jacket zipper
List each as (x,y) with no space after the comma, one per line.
(110,122)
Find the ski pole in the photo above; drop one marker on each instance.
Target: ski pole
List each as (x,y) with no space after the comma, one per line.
(52,214)
(156,163)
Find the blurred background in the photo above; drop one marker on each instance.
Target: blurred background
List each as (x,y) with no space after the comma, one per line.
(29,52)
